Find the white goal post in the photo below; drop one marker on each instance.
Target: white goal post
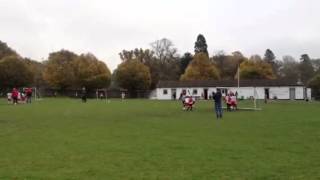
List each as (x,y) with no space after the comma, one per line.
(35,93)
(254,99)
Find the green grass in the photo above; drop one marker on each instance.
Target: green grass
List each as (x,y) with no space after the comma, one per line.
(144,139)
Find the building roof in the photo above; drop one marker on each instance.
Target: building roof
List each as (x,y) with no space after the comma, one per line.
(228,83)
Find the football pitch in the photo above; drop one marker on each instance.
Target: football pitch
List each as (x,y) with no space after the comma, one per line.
(146,139)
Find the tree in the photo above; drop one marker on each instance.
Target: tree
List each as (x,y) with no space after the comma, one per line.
(255,68)
(316,65)
(162,60)
(126,55)
(238,54)
(133,75)
(228,64)
(59,71)
(37,69)
(270,58)
(314,83)
(137,54)
(306,68)
(289,69)
(91,73)
(5,50)
(14,72)
(256,58)
(200,45)
(200,68)
(165,64)
(164,49)
(184,61)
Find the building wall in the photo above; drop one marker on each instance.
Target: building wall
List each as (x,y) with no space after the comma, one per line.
(309,93)
(279,92)
(245,92)
(299,92)
(162,96)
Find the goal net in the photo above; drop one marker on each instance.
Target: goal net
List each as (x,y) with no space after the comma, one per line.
(253,103)
(235,99)
(36,93)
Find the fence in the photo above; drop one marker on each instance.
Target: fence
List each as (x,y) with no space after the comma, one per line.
(100,93)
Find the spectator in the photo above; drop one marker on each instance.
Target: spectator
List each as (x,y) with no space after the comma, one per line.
(84,95)
(218,105)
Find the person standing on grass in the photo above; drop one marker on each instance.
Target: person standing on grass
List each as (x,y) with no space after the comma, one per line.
(218,103)
(123,95)
(14,95)
(84,95)
(228,101)
(183,97)
(9,97)
(29,95)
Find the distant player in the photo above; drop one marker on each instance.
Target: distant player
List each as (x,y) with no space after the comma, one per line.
(188,103)
(28,93)
(183,98)
(228,101)
(14,96)
(123,95)
(9,97)
(101,96)
(233,102)
(84,95)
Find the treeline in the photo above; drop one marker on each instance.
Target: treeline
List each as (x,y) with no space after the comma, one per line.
(142,69)
(62,70)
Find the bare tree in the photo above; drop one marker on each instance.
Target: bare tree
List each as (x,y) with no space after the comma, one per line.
(164,49)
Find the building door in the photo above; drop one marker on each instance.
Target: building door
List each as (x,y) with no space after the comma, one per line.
(174,94)
(292,93)
(205,94)
(305,93)
(267,93)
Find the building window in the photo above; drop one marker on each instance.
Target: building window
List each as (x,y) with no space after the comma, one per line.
(165,91)
(195,91)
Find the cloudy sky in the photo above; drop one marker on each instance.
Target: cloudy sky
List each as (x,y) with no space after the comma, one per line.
(35,28)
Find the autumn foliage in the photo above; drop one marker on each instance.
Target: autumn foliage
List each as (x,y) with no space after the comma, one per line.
(200,68)
(256,69)
(133,75)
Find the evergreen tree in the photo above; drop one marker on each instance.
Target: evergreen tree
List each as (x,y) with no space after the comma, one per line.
(306,68)
(269,56)
(201,45)
(184,61)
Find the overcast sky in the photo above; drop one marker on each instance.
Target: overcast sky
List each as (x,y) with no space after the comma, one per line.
(35,28)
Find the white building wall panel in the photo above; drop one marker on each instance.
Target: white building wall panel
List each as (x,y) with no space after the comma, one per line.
(299,93)
(279,92)
(161,95)
(309,93)
(245,92)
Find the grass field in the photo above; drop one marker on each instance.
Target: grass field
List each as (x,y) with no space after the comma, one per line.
(144,139)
